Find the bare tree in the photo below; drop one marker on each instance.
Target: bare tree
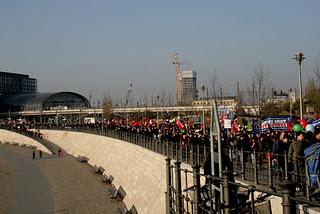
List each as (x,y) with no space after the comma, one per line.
(261,87)
(317,68)
(213,89)
(107,105)
(312,94)
(165,97)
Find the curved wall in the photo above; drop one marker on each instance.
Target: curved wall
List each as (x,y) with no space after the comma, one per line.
(141,172)
(19,138)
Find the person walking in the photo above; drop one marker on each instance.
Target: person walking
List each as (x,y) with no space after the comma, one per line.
(296,159)
(59,152)
(40,154)
(33,154)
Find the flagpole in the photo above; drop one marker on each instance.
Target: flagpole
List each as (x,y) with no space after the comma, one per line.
(212,152)
(211,142)
(218,136)
(215,130)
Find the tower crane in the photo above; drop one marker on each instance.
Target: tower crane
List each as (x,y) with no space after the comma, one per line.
(178,64)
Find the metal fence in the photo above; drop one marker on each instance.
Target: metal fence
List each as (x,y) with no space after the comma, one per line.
(250,166)
(200,195)
(189,154)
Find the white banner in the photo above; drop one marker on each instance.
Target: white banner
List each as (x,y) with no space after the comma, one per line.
(227,124)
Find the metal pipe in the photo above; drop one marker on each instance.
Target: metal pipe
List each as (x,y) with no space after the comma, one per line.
(168,178)
(179,207)
(255,167)
(196,183)
(270,173)
(226,192)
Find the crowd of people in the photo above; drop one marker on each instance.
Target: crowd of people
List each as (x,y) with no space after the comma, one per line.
(287,150)
(280,147)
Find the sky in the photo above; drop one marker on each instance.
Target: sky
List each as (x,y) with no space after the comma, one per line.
(97,47)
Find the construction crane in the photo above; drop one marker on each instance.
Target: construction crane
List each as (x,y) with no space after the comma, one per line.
(129,96)
(178,64)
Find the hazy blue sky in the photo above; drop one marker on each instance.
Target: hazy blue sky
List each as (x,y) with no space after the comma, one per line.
(94,46)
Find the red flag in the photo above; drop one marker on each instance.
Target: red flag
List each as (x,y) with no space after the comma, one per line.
(180,125)
(289,127)
(222,117)
(235,127)
(146,123)
(134,123)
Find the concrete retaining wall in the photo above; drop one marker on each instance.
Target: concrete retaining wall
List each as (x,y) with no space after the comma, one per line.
(141,172)
(21,139)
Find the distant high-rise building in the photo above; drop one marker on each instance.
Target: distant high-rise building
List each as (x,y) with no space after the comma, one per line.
(188,83)
(12,83)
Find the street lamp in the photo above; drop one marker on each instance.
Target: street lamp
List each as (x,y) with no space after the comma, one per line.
(203,120)
(299,57)
(157,104)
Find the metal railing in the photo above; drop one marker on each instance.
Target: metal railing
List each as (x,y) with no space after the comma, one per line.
(190,154)
(199,196)
(257,168)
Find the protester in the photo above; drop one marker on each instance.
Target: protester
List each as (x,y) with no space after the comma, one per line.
(295,155)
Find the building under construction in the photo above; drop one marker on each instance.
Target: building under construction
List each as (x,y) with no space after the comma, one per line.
(188,87)
(186,83)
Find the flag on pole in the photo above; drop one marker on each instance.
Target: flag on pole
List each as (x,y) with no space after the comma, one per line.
(179,124)
(134,123)
(289,127)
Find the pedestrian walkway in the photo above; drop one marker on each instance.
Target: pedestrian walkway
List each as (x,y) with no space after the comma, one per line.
(32,192)
(50,185)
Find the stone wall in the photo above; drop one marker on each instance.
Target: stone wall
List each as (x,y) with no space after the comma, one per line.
(21,139)
(141,172)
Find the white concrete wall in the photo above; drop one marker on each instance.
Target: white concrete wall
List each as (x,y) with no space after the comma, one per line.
(141,172)
(21,139)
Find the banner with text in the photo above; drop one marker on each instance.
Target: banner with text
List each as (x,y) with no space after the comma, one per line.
(275,124)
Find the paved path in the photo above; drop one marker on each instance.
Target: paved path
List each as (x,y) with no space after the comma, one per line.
(50,185)
(32,192)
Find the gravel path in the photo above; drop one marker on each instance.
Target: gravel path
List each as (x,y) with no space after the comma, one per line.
(7,184)
(72,185)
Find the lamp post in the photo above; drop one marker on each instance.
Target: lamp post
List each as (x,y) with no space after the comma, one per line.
(299,57)
(290,102)
(157,104)
(203,119)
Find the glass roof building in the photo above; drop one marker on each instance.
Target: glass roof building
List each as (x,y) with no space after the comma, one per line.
(42,101)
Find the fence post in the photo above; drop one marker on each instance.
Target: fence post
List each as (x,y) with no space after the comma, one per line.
(169,195)
(242,164)
(186,152)
(177,153)
(205,152)
(181,151)
(251,190)
(288,190)
(179,207)
(255,167)
(270,172)
(285,166)
(192,153)
(172,154)
(198,154)
(307,179)
(226,191)
(196,183)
